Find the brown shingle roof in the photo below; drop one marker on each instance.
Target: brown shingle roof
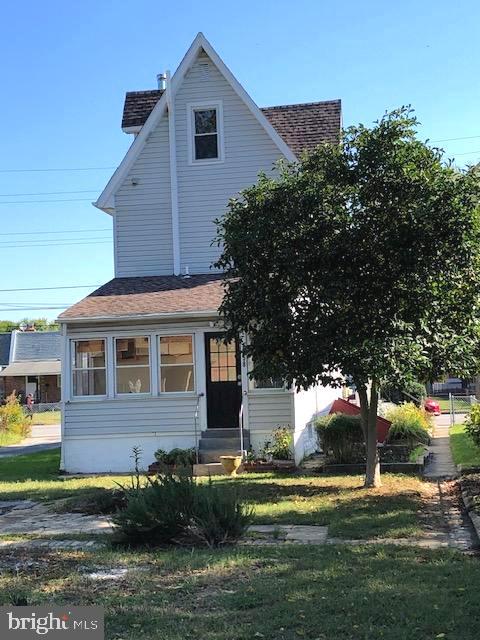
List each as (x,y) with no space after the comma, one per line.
(150,295)
(138,106)
(302,126)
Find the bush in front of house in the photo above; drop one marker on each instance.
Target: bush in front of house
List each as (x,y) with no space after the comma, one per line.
(280,447)
(176,457)
(410,425)
(472,424)
(174,509)
(340,436)
(14,424)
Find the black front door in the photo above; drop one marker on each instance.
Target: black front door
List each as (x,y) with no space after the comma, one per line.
(224,385)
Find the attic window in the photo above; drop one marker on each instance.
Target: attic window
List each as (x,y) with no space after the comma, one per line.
(205,129)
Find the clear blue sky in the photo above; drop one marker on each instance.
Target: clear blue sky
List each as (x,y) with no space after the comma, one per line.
(67,65)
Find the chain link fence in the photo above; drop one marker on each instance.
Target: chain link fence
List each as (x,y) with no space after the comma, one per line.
(459,406)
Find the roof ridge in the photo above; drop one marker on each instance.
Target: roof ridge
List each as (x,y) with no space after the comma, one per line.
(144,91)
(303,104)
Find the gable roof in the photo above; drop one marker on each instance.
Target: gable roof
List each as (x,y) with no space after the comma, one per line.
(5,339)
(105,201)
(302,126)
(36,345)
(151,296)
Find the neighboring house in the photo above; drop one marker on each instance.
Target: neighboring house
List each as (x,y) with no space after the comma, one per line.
(33,365)
(144,364)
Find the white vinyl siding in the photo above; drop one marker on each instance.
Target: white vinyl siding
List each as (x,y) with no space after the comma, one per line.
(143,215)
(204,190)
(269,410)
(168,414)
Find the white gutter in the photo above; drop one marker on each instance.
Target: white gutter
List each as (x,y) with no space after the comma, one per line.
(145,316)
(173,175)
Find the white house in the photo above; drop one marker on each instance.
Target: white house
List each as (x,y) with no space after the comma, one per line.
(142,363)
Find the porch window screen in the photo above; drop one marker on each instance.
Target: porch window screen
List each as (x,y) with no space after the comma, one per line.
(88,368)
(176,364)
(132,364)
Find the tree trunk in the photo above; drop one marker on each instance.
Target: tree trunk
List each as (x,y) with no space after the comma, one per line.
(368,412)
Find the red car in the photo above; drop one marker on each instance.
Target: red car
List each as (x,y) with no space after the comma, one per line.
(432,406)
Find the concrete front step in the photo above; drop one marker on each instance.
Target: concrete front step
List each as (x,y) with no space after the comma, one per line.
(221,433)
(213,455)
(219,443)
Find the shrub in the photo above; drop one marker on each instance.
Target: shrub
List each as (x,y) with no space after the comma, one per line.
(219,517)
(280,446)
(340,436)
(175,509)
(472,424)
(176,457)
(409,424)
(13,421)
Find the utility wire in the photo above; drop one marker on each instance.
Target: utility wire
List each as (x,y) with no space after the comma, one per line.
(58,244)
(77,286)
(55,170)
(27,233)
(41,201)
(453,139)
(45,193)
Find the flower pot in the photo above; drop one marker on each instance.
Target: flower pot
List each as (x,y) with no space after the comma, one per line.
(231,464)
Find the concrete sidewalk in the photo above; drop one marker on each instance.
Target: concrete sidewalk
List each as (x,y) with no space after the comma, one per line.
(42,438)
(441,465)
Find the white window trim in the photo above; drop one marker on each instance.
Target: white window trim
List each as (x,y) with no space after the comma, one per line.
(183,364)
(132,366)
(74,369)
(191,108)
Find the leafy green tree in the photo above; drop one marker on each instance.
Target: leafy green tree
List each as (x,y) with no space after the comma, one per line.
(360,260)
(40,324)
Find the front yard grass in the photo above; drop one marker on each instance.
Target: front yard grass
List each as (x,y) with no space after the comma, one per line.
(464,450)
(47,417)
(288,593)
(337,501)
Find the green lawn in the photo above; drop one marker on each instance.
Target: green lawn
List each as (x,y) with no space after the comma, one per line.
(464,451)
(337,501)
(287,593)
(47,417)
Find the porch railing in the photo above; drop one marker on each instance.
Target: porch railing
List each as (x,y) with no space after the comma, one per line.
(240,427)
(195,423)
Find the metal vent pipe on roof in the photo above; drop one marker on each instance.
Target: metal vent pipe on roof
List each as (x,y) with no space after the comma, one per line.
(161,80)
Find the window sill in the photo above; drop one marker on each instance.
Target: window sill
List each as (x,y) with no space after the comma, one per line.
(133,396)
(266,392)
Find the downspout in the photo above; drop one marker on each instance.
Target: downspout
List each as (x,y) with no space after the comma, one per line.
(173,175)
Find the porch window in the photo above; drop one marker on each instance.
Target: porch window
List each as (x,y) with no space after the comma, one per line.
(267,383)
(205,128)
(88,368)
(176,364)
(132,364)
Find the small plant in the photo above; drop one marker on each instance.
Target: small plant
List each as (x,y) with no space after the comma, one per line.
(280,446)
(340,436)
(409,424)
(251,456)
(174,509)
(472,424)
(176,457)
(13,421)
(218,517)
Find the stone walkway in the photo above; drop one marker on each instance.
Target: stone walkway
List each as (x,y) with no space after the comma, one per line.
(24,516)
(441,465)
